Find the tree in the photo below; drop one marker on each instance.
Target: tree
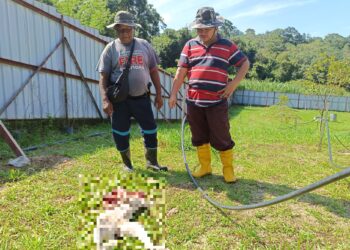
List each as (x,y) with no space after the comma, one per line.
(228,30)
(335,41)
(89,12)
(318,71)
(98,14)
(285,68)
(94,14)
(169,44)
(250,32)
(291,35)
(264,65)
(339,73)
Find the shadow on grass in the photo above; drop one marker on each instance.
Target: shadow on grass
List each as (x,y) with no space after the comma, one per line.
(248,191)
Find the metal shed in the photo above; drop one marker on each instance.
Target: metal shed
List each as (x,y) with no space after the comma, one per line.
(47,65)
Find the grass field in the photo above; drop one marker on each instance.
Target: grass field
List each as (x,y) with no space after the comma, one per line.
(276,152)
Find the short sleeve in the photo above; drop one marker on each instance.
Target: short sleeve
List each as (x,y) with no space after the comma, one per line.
(104,64)
(237,57)
(152,55)
(184,61)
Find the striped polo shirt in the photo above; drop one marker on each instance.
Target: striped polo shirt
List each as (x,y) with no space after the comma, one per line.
(207,69)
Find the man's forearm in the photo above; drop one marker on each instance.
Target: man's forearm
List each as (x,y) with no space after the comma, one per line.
(103,86)
(178,80)
(156,80)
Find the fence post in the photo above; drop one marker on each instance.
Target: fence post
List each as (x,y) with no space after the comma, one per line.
(242,102)
(64,74)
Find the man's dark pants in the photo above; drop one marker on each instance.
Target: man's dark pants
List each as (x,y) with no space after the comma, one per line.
(139,108)
(210,125)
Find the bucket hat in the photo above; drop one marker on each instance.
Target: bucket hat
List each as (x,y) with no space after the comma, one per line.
(125,18)
(206,18)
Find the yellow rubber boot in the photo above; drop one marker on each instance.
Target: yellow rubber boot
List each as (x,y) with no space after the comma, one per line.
(227,165)
(204,158)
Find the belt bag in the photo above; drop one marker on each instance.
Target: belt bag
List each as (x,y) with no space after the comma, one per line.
(118,91)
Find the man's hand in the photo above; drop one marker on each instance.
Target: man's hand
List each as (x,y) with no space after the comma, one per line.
(231,86)
(172,101)
(107,107)
(227,91)
(158,102)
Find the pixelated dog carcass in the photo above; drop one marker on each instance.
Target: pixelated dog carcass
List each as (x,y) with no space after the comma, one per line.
(115,222)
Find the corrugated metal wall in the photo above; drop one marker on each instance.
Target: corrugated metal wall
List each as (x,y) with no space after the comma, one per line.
(30,31)
(257,98)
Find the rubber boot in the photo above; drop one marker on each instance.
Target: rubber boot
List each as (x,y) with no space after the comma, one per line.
(227,165)
(152,162)
(127,160)
(204,158)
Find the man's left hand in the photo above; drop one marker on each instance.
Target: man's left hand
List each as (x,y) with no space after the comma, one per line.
(158,102)
(227,91)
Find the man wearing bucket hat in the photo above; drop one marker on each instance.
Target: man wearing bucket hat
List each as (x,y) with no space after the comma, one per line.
(205,60)
(143,68)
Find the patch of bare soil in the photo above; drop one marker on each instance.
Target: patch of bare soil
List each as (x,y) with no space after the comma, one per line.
(49,161)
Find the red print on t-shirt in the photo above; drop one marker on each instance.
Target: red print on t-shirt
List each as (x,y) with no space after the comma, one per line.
(135,60)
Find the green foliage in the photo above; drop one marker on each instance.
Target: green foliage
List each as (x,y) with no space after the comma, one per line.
(169,45)
(295,86)
(285,55)
(98,14)
(328,70)
(228,30)
(171,71)
(91,13)
(339,73)
(291,35)
(12,175)
(144,13)
(279,55)
(318,71)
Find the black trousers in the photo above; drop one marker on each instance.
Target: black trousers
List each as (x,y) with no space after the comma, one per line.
(140,108)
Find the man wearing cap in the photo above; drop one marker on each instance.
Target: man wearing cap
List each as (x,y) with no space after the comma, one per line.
(205,61)
(138,105)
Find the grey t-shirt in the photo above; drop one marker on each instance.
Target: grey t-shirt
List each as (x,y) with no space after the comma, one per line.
(115,57)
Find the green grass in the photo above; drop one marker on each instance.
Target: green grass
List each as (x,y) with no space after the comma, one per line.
(296,87)
(276,152)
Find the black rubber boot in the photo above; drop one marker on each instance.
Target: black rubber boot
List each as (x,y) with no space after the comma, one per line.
(127,160)
(152,162)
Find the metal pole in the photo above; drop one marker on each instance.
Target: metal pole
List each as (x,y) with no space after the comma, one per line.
(64,73)
(82,77)
(4,133)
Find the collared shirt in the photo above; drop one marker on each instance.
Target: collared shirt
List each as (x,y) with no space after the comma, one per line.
(207,69)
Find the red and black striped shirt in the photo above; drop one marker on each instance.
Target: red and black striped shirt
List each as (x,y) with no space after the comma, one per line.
(207,69)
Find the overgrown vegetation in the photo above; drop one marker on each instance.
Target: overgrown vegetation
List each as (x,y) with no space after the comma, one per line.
(273,156)
(280,55)
(296,87)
